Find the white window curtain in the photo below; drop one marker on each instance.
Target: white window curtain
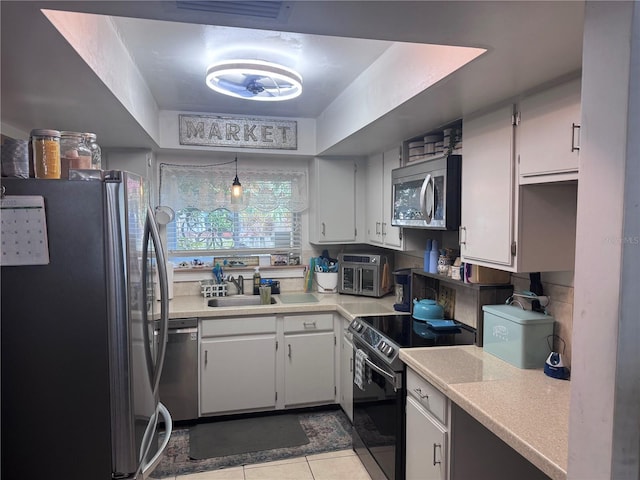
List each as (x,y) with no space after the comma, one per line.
(268,220)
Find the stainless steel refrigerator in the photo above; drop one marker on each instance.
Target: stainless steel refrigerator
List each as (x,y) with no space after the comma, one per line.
(80,366)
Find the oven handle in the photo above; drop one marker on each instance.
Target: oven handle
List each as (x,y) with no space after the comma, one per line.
(395,380)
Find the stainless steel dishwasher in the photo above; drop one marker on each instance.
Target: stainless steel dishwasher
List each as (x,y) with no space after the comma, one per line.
(179,380)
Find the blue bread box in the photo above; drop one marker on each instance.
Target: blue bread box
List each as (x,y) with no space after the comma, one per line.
(517,336)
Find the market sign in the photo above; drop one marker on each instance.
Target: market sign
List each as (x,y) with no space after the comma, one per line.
(215,131)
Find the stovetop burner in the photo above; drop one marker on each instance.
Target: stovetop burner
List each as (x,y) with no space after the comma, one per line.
(383,335)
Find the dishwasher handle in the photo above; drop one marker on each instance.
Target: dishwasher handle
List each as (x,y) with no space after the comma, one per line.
(174,331)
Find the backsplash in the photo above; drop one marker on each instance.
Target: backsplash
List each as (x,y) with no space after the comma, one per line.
(558,286)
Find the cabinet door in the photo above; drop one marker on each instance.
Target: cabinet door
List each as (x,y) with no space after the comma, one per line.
(346,380)
(309,368)
(546,134)
(486,232)
(374,199)
(335,187)
(391,236)
(426,445)
(225,361)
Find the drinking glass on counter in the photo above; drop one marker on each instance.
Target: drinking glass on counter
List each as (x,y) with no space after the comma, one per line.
(265,295)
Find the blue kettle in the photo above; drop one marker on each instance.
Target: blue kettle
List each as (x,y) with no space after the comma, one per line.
(427,309)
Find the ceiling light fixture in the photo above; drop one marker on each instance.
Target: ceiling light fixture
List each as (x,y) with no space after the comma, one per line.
(236,188)
(254,80)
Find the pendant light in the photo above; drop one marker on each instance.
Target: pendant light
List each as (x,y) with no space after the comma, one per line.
(236,188)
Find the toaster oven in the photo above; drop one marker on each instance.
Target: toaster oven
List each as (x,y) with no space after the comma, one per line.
(365,274)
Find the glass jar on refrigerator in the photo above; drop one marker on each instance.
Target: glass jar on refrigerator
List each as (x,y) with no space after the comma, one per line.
(96,151)
(75,154)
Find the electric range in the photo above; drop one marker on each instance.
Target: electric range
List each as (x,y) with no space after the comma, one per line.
(379,386)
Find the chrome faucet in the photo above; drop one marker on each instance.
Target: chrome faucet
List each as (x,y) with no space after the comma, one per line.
(238,283)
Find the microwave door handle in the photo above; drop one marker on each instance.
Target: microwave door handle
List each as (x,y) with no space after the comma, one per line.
(359,280)
(427,208)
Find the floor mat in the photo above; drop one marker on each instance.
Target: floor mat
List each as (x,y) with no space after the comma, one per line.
(233,437)
(327,430)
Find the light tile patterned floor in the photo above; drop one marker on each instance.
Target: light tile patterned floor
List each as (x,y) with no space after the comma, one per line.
(341,465)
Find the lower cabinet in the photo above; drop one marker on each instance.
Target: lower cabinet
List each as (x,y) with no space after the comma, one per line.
(251,364)
(238,373)
(426,431)
(237,364)
(346,377)
(309,368)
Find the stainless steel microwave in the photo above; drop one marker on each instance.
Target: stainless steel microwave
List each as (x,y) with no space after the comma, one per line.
(427,194)
(365,274)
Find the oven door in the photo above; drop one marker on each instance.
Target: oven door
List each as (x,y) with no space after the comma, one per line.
(349,278)
(378,420)
(370,281)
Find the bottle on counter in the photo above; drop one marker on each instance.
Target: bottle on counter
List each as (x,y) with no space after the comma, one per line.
(256,281)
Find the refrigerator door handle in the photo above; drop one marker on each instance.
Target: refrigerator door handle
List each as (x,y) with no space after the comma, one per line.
(168,429)
(152,228)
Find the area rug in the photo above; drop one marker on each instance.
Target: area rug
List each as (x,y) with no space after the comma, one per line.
(327,431)
(245,435)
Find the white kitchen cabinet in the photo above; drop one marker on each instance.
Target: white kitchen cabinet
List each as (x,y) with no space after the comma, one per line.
(309,364)
(237,365)
(487,210)
(548,134)
(346,377)
(332,216)
(379,200)
(426,430)
(527,228)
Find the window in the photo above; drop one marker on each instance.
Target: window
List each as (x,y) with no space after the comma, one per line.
(206,223)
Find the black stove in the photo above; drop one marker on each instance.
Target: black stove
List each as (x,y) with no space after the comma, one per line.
(384,335)
(379,390)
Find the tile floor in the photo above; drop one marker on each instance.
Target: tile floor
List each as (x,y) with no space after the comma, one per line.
(340,465)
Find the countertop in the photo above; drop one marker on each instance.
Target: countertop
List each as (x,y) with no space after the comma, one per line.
(525,408)
(349,306)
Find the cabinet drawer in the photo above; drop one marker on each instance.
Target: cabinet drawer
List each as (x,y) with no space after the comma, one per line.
(308,323)
(238,326)
(432,399)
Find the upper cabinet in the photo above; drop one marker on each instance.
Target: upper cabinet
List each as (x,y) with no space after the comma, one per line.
(518,228)
(332,214)
(379,201)
(548,134)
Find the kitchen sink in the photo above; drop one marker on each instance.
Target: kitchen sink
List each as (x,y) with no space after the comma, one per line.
(237,301)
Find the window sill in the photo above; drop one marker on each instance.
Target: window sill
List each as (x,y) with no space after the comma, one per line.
(197,273)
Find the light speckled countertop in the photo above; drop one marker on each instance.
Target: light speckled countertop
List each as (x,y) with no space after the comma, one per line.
(349,306)
(525,408)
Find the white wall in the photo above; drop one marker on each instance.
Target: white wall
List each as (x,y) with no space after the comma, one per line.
(605,412)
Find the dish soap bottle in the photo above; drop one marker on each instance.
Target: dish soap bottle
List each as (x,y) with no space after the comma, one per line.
(256,281)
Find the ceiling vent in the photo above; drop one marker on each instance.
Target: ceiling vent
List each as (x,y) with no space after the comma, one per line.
(259,9)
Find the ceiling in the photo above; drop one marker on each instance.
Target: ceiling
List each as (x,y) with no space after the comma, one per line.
(45,82)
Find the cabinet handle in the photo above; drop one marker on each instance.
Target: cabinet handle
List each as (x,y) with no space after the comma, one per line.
(323,229)
(436,445)
(377,228)
(309,324)
(420,394)
(460,230)
(206,357)
(575,127)
(384,233)
(289,355)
